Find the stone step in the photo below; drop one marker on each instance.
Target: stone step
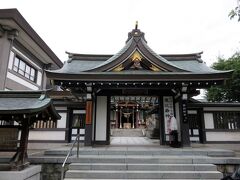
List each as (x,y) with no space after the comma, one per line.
(125,179)
(127,132)
(134,159)
(144,174)
(137,159)
(166,151)
(143,167)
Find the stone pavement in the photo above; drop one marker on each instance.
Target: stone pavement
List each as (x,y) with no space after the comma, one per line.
(133,141)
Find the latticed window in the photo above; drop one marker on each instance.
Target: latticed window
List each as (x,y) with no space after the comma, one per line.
(21,67)
(226,120)
(45,124)
(193,121)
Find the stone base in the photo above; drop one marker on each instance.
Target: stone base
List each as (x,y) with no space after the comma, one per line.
(30,173)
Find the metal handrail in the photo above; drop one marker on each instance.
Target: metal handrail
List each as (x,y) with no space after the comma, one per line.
(69,153)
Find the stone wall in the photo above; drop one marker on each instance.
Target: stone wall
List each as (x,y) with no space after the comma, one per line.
(227,169)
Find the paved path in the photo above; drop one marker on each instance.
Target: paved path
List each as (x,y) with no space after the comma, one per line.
(134,141)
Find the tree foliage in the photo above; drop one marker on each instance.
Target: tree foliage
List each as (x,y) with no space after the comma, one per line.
(235,12)
(230,91)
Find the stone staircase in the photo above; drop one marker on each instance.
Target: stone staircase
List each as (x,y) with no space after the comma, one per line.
(127,132)
(142,165)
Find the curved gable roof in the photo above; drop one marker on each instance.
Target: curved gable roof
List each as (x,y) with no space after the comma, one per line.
(121,66)
(136,40)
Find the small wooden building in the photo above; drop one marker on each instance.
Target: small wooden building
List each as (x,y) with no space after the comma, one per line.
(18,111)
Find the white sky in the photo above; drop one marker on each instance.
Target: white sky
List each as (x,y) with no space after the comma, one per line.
(101,26)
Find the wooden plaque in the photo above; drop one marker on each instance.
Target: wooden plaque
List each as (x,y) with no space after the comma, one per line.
(89,112)
(8,138)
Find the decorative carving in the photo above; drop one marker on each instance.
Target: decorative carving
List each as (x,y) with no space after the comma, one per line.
(118,68)
(154,68)
(136,57)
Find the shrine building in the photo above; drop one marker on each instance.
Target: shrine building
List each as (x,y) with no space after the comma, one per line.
(139,89)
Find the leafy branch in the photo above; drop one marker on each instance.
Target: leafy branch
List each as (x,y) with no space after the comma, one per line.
(235,12)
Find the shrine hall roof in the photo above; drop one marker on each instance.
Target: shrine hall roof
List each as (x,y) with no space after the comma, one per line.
(135,58)
(85,62)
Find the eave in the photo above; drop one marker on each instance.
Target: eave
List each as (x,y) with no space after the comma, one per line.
(137,76)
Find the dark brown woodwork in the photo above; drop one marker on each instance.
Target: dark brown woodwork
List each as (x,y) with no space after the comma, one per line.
(89,112)
(20,160)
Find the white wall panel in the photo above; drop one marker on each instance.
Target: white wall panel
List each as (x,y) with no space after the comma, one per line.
(47,135)
(101,118)
(223,136)
(61,123)
(208,120)
(39,78)
(21,81)
(10,62)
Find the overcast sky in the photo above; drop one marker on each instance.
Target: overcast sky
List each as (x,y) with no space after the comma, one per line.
(101,26)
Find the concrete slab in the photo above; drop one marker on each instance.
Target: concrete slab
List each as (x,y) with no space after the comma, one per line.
(30,173)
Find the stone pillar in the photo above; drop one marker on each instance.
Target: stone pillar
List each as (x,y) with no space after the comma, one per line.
(89,117)
(185,138)
(6,38)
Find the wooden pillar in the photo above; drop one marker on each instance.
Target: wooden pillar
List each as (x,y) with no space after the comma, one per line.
(89,117)
(133,118)
(202,131)
(20,159)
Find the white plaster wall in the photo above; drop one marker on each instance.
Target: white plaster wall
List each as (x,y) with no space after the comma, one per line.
(208,120)
(21,81)
(61,123)
(101,118)
(223,136)
(47,135)
(10,62)
(39,78)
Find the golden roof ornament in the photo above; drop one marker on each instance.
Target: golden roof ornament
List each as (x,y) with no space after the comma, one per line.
(118,68)
(136,57)
(154,68)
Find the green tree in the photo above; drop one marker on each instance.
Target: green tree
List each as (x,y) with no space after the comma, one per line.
(230,91)
(235,12)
